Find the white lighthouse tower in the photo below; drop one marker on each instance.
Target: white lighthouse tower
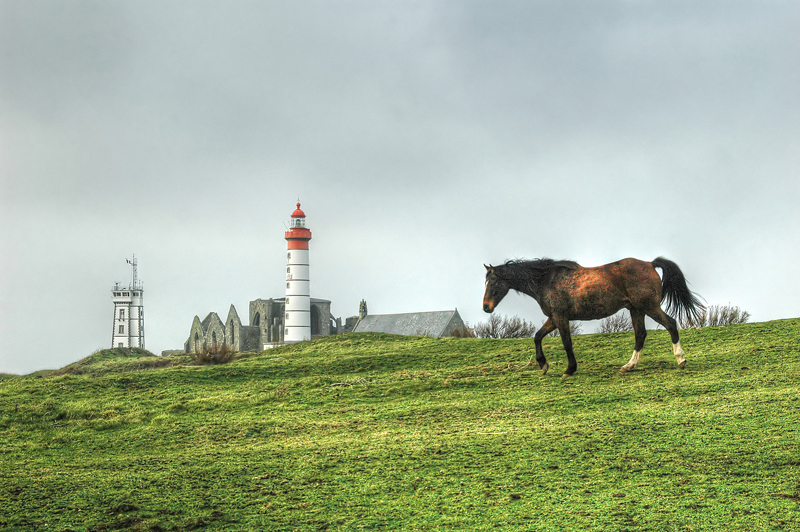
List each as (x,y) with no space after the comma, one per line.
(297,324)
(128,312)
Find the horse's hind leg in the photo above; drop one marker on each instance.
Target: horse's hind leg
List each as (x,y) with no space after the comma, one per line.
(640,333)
(548,327)
(566,340)
(671,326)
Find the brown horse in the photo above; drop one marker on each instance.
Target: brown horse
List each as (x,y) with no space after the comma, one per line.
(566,291)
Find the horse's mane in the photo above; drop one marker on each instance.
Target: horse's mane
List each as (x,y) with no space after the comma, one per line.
(531,274)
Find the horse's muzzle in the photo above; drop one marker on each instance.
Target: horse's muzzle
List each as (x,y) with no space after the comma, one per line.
(488,308)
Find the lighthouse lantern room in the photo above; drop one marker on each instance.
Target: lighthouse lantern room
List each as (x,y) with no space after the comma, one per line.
(297,324)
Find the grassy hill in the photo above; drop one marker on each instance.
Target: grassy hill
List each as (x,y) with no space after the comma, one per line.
(379,432)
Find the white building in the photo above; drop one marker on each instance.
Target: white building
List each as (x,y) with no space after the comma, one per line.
(128,313)
(297,324)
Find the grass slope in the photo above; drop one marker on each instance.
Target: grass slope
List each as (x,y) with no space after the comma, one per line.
(120,360)
(379,432)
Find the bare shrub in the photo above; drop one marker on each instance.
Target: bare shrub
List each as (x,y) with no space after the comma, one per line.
(490,328)
(213,355)
(693,322)
(729,315)
(616,323)
(574,329)
(498,326)
(716,315)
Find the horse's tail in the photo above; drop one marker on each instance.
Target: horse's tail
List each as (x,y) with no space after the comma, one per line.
(682,303)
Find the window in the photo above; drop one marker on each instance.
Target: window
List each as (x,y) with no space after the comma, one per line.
(119,344)
(122,313)
(121,329)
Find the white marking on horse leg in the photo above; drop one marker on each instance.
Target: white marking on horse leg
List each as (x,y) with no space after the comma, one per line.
(679,354)
(632,363)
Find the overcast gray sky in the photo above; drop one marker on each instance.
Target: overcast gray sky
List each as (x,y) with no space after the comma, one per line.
(422,138)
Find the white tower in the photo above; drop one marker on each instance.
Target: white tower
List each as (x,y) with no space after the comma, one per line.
(128,312)
(297,324)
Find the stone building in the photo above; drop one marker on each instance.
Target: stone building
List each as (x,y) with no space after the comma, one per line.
(267,322)
(266,328)
(437,324)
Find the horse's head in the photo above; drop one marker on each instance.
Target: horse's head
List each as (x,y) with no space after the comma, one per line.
(496,289)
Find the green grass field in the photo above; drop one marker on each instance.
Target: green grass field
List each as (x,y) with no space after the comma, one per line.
(379,432)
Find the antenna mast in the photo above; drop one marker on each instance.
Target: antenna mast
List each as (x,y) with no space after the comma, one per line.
(134,282)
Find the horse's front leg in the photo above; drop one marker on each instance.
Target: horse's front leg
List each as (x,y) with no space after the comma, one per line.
(566,339)
(547,327)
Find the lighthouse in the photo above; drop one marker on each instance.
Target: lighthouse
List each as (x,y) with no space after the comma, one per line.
(297,324)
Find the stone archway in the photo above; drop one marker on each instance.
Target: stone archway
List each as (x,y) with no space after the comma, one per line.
(316,326)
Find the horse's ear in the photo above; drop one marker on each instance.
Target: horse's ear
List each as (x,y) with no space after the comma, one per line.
(489,268)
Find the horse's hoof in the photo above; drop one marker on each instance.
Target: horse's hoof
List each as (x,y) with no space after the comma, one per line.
(682,364)
(566,375)
(622,370)
(545,368)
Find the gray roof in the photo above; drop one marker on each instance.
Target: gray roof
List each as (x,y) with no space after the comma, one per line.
(438,323)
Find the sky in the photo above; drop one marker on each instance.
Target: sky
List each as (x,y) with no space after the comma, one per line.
(423,139)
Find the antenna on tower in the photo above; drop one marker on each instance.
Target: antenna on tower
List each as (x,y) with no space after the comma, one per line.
(133,264)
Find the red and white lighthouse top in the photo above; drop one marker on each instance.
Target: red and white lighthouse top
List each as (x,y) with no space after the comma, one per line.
(298,235)
(298,213)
